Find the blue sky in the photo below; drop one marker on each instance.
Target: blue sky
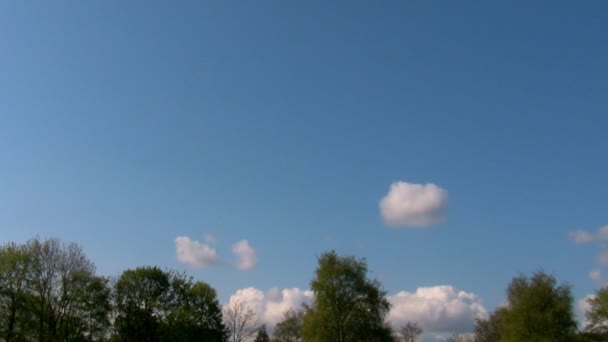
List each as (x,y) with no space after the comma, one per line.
(124,125)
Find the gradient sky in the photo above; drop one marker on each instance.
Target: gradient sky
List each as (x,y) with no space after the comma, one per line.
(126,124)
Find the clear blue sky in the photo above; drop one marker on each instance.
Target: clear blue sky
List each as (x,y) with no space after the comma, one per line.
(126,124)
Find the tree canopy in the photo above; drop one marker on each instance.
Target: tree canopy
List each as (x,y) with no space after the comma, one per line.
(539,310)
(347,305)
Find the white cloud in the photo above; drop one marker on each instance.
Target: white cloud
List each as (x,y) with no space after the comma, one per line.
(417,205)
(270,305)
(602,258)
(438,309)
(580,237)
(582,307)
(246,255)
(210,238)
(595,275)
(194,253)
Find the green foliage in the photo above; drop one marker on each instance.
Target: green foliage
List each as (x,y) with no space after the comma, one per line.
(290,328)
(539,310)
(597,316)
(262,335)
(487,330)
(157,305)
(347,306)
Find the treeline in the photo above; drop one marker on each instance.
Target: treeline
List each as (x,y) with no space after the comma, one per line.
(49,291)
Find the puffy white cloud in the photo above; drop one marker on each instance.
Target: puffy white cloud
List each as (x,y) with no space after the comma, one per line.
(580,237)
(194,253)
(269,306)
(595,275)
(247,258)
(602,258)
(416,205)
(582,307)
(438,309)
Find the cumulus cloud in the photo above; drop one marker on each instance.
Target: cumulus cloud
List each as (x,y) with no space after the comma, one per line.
(595,275)
(415,205)
(581,237)
(602,258)
(269,306)
(438,309)
(247,258)
(194,253)
(583,307)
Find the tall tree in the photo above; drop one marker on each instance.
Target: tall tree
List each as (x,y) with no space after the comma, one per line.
(142,298)
(487,330)
(597,316)
(539,310)
(262,335)
(240,321)
(195,313)
(289,329)
(59,271)
(410,331)
(15,272)
(347,306)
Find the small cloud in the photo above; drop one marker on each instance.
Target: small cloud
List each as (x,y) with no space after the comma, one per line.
(583,307)
(602,258)
(580,237)
(602,233)
(210,238)
(194,253)
(415,205)
(595,275)
(246,255)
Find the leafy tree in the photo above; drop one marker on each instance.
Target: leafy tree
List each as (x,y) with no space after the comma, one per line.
(262,335)
(597,316)
(487,330)
(410,332)
(195,312)
(539,310)
(142,298)
(347,306)
(15,266)
(289,329)
(240,321)
(59,272)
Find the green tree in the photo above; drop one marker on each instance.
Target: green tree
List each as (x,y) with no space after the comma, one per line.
(15,272)
(195,312)
(539,310)
(142,299)
(347,306)
(597,316)
(262,335)
(157,305)
(487,330)
(289,329)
